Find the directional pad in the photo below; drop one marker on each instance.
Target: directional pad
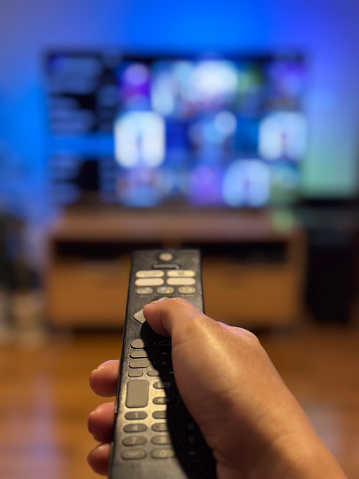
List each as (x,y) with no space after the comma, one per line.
(139,316)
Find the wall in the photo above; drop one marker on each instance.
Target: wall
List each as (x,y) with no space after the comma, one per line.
(326,30)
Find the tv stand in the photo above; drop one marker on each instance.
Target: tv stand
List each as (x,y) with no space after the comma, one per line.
(253,263)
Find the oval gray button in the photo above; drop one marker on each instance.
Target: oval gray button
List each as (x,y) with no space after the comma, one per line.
(181,273)
(135,427)
(162,453)
(149,282)
(133,454)
(134,441)
(150,273)
(181,281)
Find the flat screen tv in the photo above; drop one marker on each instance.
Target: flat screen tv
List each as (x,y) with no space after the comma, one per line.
(204,131)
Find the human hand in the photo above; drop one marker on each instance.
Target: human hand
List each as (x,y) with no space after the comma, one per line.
(247,415)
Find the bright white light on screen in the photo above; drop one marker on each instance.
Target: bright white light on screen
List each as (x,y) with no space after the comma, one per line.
(213,78)
(140,139)
(283,134)
(246,183)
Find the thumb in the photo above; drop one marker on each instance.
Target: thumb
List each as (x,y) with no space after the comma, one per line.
(166,317)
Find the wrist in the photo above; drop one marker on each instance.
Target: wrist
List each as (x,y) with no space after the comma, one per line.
(299,458)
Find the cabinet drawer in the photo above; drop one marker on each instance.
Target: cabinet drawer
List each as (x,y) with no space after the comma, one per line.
(255,295)
(88,293)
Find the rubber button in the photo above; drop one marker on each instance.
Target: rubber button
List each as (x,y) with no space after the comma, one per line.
(162,453)
(137,393)
(165,256)
(134,441)
(138,344)
(181,281)
(149,282)
(135,415)
(139,363)
(149,273)
(133,454)
(181,273)
(135,428)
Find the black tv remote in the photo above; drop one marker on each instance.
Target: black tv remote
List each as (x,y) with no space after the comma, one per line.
(154,435)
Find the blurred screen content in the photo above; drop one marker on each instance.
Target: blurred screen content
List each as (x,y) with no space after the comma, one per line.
(220,132)
(205,131)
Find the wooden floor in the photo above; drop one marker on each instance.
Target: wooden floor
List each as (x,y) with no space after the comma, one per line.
(45,397)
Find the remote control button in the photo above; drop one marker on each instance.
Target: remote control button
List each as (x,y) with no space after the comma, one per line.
(153,373)
(135,415)
(166,266)
(135,427)
(163,363)
(135,373)
(139,353)
(181,281)
(162,385)
(133,454)
(160,415)
(192,439)
(137,393)
(165,256)
(165,290)
(134,441)
(138,344)
(139,316)
(149,282)
(139,363)
(181,273)
(186,289)
(160,427)
(161,400)
(144,290)
(162,453)
(164,343)
(164,353)
(163,440)
(150,273)
(193,454)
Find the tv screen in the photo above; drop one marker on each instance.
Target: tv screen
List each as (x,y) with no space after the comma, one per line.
(205,131)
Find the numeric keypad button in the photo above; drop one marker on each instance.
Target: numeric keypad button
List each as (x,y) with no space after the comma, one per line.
(162,453)
(134,441)
(133,454)
(160,427)
(138,427)
(160,414)
(163,440)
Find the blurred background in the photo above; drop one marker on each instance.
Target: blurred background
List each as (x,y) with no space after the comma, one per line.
(232,128)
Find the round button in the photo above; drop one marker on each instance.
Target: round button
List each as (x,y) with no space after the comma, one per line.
(144,290)
(165,256)
(165,290)
(186,289)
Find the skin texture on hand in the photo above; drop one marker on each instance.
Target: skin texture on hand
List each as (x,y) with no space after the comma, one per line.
(247,415)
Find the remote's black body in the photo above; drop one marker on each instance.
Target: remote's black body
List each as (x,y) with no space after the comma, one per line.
(154,435)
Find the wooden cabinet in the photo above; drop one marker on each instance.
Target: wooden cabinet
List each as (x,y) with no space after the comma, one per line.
(253,264)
